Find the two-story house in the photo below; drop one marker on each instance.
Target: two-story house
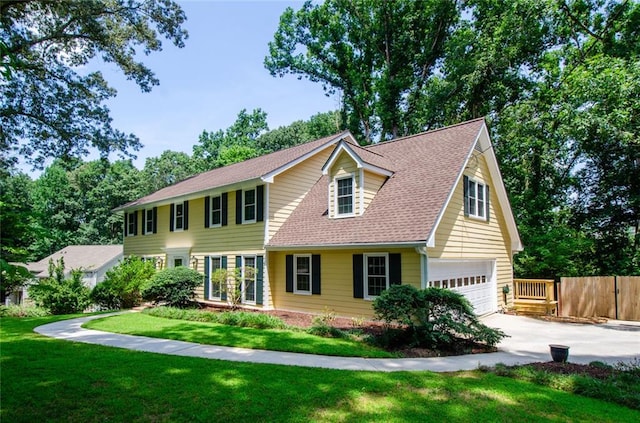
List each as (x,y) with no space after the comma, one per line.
(330,224)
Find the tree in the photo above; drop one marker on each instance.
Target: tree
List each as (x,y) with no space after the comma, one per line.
(48,108)
(377,54)
(318,126)
(234,144)
(171,167)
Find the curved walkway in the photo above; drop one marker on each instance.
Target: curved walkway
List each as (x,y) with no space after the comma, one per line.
(612,342)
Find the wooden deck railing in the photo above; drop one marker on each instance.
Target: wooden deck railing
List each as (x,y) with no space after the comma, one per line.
(534,295)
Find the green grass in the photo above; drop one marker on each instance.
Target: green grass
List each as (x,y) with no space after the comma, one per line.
(59,381)
(233,336)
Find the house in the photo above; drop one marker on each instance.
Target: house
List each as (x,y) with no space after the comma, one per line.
(330,224)
(93,260)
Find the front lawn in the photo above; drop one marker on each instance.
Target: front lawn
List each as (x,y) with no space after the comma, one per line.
(59,381)
(233,336)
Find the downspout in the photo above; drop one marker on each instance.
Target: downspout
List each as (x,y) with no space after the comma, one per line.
(424,266)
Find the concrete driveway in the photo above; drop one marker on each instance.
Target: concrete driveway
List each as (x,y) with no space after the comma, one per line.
(529,341)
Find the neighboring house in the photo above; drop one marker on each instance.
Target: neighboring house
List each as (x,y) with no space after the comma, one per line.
(329,224)
(93,260)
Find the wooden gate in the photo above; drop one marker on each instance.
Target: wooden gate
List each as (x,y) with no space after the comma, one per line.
(615,297)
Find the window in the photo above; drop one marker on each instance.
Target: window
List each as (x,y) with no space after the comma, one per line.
(248,287)
(216,211)
(131,223)
(344,196)
(476,199)
(149,221)
(216,285)
(302,273)
(179,217)
(249,205)
(177,262)
(376,274)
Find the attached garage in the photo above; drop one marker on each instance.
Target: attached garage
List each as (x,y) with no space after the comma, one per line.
(475,279)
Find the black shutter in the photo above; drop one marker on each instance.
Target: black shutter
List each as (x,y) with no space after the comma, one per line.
(315,274)
(465,187)
(207,211)
(395,269)
(172,216)
(135,222)
(207,279)
(144,222)
(155,220)
(239,207)
(260,203)
(358,276)
(185,215)
(259,279)
(126,224)
(225,201)
(487,197)
(289,276)
(224,287)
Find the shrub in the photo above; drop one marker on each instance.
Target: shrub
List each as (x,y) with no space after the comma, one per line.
(60,295)
(433,318)
(122,284)
(231,318)
(174,287)
(16,310)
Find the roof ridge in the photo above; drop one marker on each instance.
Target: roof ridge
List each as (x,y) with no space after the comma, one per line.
(406,137)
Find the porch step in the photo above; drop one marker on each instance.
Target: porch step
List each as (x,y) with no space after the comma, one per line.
(535,307)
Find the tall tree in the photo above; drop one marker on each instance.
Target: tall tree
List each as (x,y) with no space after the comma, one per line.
(234,144)
(171,167)
(377,54)
(48,108)
(318,126)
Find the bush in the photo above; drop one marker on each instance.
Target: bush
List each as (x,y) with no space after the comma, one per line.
(432,318)
(16,310)
(60,295)
(232,318)
(122,284)
(174,287)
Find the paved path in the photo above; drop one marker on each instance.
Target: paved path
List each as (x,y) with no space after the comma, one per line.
(529,341)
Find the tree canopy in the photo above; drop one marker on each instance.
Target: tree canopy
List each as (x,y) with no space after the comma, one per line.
(48,107)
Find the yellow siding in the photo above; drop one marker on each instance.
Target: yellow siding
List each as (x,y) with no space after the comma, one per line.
(336,274)
(290,187)
(372,183)
(460,237)
(344,165)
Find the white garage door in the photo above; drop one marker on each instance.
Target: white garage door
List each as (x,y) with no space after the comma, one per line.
(475,279)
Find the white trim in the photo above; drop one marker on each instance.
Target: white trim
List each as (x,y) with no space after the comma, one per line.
(336,207)
(409,244)
(365,273)
(266,212)
(478,183)
(483,140)
(144,221)
(269,176)
(295,274)
(211,270)
(175,217)
(361,164)
(243,290)
(361,192)
(211,224)
(255,205)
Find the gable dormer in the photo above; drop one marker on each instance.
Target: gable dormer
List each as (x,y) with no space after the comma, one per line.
(355,175)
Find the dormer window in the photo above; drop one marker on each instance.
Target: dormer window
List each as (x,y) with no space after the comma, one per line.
(345,199)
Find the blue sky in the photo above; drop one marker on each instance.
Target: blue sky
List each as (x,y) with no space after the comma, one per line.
(204,85)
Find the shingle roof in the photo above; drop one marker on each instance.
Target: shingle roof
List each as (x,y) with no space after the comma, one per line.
(235,173)
(85,257)
(426,167)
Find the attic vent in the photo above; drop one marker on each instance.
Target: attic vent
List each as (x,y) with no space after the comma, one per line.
(478,148)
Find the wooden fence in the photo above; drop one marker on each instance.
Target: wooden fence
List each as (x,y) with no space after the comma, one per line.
(614,297)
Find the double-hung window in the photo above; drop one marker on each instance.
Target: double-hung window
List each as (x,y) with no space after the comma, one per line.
(216,283)
(149,221)
(376,274)
(344,196)
(216,211)
(249,205)
(131,223)
(302,274)
(249,279)
(476,199)
(178,223)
